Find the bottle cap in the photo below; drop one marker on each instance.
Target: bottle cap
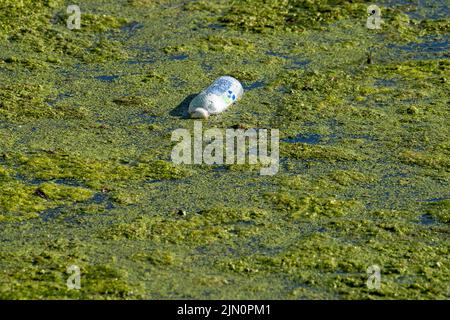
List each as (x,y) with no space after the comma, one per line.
(200,113)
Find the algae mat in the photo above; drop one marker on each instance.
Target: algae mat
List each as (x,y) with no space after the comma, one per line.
(86,178)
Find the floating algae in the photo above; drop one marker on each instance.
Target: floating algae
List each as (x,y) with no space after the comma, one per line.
(86,177)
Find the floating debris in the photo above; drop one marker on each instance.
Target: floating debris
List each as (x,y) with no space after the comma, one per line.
(216,98)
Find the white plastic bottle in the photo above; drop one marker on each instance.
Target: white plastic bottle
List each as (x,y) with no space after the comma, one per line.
(216,98)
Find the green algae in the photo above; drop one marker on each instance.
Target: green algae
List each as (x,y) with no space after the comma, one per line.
(434,160)
(350,177)
(132,101)
(25,201)
(440,210)
(289,15)
(30,98)
(85,175)
(99,281)
(95,173)
(204,227)
(304,151)
(100,23)
(312,207)
(347,278)
(47,31)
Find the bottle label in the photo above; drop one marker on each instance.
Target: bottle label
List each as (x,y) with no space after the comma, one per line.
(223,88)
(220,86)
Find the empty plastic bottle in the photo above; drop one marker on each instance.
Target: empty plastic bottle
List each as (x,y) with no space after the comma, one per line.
(216,98)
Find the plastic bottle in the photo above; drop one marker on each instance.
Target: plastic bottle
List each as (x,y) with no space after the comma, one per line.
(221,94)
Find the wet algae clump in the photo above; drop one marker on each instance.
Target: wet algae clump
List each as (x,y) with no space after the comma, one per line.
(290,15)
(86,178)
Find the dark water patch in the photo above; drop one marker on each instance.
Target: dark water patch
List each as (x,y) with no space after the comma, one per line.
(276,54)
(153,181)
(360,136)
(295,61)
(99,198)
(142,55)
(142,49)
(147,118)
(283,89)
(80,69)
(102,198)
(315,138)
(59,97)
(297,64)
(301,63)
(429,48)
(258,184)
(427,219)
(178,82)
(132,27)
(420,9)
(23,178)
(69,182)
(136,119)
(426,9)
(206,67)
(312,138)
(385,83)
(216,26)
(51,214)
(107,78)
(254,85)
(436,199)
(179,57)
(220,168)
(37,182)
(144,61)
(394,175)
